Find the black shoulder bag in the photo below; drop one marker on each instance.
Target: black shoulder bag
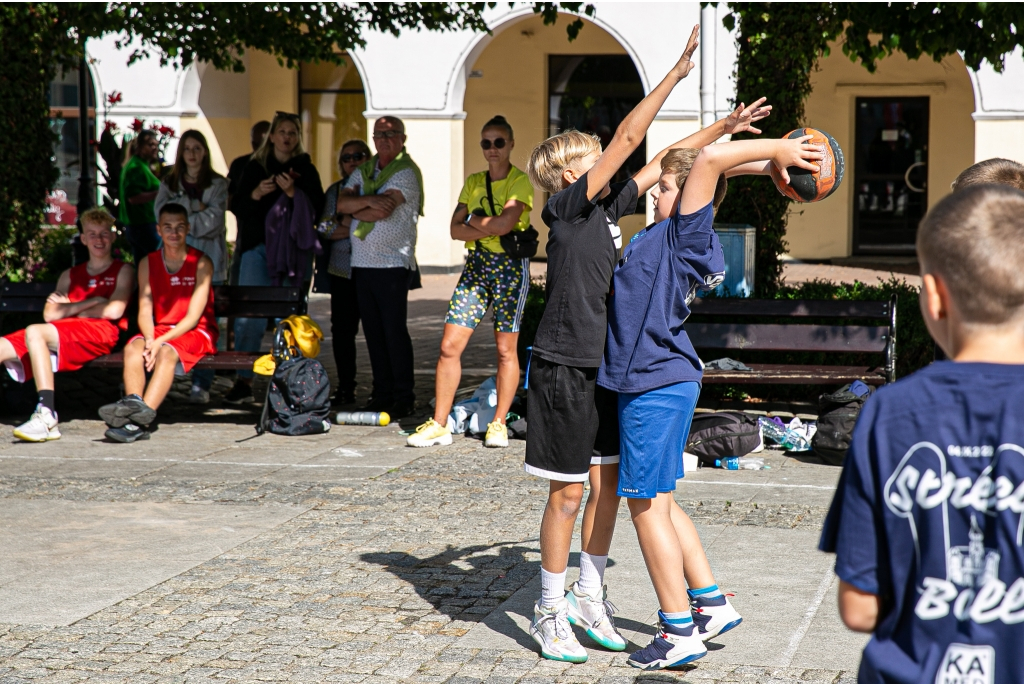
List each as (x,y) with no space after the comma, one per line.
(517,244)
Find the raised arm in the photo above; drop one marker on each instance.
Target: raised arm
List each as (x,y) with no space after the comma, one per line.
(715,160)
(630,133)
(740,120)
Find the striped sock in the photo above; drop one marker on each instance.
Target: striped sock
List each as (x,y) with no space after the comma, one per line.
(709,592)
(680,618)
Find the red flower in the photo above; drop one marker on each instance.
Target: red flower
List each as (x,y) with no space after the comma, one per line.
(137,124)
(166,131)
(109,126)
(114,98)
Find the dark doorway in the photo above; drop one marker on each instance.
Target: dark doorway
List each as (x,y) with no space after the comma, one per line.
(593,94)
(891,174)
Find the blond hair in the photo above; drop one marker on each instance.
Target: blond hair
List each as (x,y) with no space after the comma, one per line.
(97,215)
(264,149)
(996,170)
(556,154)
(679,161)
(974,240)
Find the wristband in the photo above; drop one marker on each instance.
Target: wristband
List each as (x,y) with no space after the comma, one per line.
(465,222)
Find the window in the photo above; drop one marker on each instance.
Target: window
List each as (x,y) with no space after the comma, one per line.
(63,99)
(331,102)
(594,93)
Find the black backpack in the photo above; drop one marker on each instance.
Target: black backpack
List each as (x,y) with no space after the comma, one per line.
(722,434)
(837,415)
(299,399)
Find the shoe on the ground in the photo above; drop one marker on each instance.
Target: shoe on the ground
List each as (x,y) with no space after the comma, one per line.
(713,616)
(240,393)
(378,405)
(129,432)
(552,631)
(199,395)
(497,435)
(40,427)
(400,410)
(672,646)
(594,614)
(343,398)
(429,434)
(127,410)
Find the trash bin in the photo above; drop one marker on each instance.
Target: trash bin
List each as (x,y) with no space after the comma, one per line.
(738,246)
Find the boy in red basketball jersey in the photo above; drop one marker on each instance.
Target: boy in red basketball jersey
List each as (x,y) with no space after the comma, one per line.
(84,316)
(177,324)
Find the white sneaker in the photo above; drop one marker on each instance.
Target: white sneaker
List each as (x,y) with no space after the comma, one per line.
(551,630)
(497,435)
(713,616)
(672,646)
(594,614)
(429,434)
(40,427)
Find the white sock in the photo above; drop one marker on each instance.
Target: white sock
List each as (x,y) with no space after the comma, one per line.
(552,588)
(592,573)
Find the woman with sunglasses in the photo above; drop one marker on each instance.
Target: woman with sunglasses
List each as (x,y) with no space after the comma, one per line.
(492,203)
(334,227)
(279,167)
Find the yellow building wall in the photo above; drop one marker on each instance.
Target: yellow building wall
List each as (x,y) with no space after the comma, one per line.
(514,83)
(825,229)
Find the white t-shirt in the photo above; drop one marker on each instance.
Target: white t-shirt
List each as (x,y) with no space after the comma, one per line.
(392,242)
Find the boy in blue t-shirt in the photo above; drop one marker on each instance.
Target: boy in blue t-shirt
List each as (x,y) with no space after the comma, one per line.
(651,364)
(927,523)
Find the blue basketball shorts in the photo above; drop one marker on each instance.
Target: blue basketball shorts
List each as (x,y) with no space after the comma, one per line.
(653,427)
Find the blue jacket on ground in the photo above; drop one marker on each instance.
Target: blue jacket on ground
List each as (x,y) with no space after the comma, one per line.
(658,276)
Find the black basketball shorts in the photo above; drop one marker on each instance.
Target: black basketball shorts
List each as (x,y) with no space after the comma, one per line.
(573,423)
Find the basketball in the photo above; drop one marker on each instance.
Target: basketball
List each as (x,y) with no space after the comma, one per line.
(813,186)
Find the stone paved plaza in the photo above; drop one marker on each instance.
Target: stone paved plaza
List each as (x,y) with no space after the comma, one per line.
(200,556)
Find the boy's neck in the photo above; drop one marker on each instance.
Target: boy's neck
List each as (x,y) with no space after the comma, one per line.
(992,345)
(99,264)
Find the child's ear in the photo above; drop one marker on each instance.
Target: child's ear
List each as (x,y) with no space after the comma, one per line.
(934,297)
(569,175)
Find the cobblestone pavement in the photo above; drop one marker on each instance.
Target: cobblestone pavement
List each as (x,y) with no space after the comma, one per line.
(382,563)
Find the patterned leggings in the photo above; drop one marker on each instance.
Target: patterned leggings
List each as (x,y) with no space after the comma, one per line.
(490,278)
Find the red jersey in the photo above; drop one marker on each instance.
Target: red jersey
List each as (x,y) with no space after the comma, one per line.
(172,293)
(84,285)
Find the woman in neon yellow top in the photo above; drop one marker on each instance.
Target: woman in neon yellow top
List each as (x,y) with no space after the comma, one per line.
(490,277)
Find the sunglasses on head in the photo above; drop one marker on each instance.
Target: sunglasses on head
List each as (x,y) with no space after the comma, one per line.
(286,115)
(498,143)
(353,157)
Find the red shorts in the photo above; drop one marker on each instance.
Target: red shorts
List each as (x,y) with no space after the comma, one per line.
(191,347)
(79,341)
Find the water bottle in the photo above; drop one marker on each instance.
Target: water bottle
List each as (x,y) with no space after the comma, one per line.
(795,442)
(362,418)
(737,463)
(772,430)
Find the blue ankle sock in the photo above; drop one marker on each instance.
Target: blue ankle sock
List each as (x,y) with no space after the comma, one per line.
(677,619)
(709,592)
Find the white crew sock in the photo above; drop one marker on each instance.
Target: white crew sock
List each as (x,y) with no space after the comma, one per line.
(552,588)
(592,573)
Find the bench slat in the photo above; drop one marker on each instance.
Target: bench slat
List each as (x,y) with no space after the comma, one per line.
(796,374)
(788,337)
(221,360)
(796,308)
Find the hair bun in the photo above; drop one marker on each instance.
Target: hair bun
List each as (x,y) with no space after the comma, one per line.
(499,121)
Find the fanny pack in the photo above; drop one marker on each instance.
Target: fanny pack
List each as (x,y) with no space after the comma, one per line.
(517,244)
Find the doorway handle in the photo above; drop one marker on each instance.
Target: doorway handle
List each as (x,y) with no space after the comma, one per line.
(906,177)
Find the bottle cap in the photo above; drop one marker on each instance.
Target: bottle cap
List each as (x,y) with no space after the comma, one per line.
(385,419)
(718,463)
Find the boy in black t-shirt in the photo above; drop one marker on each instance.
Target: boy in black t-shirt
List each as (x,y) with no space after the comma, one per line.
(573,424)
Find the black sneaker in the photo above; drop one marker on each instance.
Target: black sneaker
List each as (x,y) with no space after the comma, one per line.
(240,393)
(125,410)
(342,398)
(399,410)
(129,432)
(378,405)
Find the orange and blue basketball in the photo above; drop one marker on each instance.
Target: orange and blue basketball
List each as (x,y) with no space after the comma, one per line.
(813,186)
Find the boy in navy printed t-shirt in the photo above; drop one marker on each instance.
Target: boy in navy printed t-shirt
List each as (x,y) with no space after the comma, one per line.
(927,523)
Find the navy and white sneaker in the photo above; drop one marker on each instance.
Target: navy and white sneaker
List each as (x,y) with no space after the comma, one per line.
(129,432)
(674,645)
(713,616)
(130,409)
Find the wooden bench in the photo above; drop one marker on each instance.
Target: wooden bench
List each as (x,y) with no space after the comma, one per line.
(228,301)
(724,324)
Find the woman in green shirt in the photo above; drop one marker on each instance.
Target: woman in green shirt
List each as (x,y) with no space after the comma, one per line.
(138,191)
(490,278)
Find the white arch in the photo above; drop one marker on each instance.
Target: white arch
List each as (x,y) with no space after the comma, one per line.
(455,98)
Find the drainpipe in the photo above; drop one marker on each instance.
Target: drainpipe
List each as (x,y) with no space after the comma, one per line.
(708,29)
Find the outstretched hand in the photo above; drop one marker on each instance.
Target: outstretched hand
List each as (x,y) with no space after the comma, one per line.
(796,152)
(743,118)
(685,63)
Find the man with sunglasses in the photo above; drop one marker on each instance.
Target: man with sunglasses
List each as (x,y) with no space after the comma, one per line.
(384,196)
